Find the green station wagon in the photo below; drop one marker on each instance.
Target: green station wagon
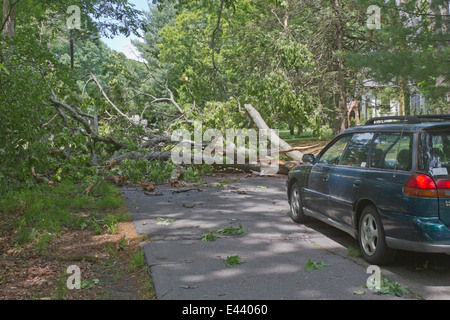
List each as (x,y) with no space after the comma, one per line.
(386,183)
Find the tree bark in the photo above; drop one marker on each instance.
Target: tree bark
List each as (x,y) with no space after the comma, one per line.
(261,124)
(153,155)
(247,167)
(342,104)
(80,118)
(155,140)
(40,178)
(9,18)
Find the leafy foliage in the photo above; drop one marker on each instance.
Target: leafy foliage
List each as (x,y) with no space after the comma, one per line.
(391,288)
(48,210)
(165,221)
(312,265)
(233,260)
(295,61)
(35,68)
(408,52)
(233,231)
(210,236)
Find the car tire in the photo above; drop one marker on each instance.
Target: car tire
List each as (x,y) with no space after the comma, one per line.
(296,211)
(371,238)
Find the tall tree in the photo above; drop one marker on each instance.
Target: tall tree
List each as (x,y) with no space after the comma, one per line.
(33,78)
(8,26)
(409,51)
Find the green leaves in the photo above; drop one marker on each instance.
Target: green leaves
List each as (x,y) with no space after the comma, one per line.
(404,51)
(115,17)
(312,265)
(89,284)
(2,68)
(35,64)
(233,231)
(210,236)
(165,221)
(232,261)
(213,236)
(391,288)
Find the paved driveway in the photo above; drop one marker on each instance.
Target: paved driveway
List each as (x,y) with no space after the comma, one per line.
(274,252)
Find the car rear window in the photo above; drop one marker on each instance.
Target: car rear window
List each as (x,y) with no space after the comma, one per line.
(392,151)
(434,152)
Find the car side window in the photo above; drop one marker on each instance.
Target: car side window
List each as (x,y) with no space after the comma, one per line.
(357,151)
(333,154)
(392,151)
(434,151)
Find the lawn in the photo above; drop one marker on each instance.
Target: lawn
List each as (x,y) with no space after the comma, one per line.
(45,230)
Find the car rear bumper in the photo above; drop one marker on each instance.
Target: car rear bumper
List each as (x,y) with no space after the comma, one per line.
(419,234)
(417,246)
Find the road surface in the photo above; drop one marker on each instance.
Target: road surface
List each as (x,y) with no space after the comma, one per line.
(274,252)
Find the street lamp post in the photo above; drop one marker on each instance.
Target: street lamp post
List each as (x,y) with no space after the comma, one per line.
(72,44)
(71,48)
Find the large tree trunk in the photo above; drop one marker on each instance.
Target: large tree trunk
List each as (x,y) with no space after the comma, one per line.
(442,27)
(261,124)
(340,79)
(261,166)
(9,18)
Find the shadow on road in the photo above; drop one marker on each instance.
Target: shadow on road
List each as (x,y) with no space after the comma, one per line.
(275,250)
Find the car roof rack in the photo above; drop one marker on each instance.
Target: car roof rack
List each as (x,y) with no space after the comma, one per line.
(411,119)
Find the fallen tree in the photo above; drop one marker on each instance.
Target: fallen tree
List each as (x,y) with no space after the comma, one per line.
(159,146)
(271,159)
(295,155)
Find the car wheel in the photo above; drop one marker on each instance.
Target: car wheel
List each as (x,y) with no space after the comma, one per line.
(296,211)
(372,239)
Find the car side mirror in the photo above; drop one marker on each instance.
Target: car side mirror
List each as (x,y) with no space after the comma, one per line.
(308,158)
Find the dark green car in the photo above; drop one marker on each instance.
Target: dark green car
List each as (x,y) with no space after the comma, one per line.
(386,183)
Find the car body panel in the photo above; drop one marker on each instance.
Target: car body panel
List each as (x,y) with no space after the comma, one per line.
(335,194)
(444,210)
(345,189)
(316,191)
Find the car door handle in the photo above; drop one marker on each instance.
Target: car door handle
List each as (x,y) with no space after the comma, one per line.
(325,177)
(357,183)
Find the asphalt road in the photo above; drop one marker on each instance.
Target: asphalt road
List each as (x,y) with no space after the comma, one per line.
(274,252)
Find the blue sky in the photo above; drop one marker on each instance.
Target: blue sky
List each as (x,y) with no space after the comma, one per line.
(122,43)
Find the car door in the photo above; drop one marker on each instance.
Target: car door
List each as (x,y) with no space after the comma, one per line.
(388,171)
(347,178)
(316,192)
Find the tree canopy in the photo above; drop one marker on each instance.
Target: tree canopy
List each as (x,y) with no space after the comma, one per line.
(299,63)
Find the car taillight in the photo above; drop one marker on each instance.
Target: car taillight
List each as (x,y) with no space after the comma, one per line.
(420,185)
(443,188)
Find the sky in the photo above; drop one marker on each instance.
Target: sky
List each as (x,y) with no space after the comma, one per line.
(123,44)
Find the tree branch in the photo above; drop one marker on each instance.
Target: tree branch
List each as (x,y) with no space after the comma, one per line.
(214,35)
(261,124)
(109,100)
(84,122)
(170,98)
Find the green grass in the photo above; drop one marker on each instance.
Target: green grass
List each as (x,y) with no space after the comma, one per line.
(137,260)
(42,212)
(306,135)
